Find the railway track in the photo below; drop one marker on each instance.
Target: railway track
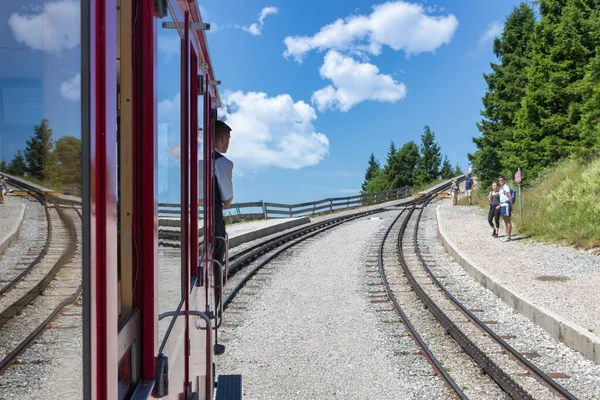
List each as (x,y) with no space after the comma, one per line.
(252,259)
(408,272)
(52,281)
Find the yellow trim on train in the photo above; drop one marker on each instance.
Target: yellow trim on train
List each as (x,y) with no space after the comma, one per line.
(25,192)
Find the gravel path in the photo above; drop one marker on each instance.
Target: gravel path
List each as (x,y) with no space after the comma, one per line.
(309,330)
(560,279)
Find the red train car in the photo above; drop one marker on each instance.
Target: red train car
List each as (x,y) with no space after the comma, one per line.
(152,313)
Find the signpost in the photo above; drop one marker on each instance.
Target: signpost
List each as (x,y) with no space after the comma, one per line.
(518,182)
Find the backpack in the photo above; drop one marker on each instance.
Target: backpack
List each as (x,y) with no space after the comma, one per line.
(513,195)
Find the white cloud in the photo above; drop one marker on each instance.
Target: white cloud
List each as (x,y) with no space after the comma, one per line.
(256,28)
(399,25)
(354,82)
(272,131)
(71,88)
(55,28)
(493,29)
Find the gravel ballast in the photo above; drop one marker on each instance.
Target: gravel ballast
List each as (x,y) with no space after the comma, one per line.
(311,332)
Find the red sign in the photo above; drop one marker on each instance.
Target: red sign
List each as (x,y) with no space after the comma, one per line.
(518,176)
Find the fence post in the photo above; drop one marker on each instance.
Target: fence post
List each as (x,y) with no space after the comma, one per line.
(264,209)
(291,214)
(330,205)
(314,207)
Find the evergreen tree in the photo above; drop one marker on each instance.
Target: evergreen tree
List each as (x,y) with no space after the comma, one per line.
(505,91)
(3,166)
(18,166)
(566,40)
(406,161)
(373,169)
(378,183)
(429,163)
(457,170)
(389,168)
(589,126)
(38,153)
(446,172)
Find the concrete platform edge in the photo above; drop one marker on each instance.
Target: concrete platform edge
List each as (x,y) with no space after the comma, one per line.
(14,233)
(269,230)
(565,331)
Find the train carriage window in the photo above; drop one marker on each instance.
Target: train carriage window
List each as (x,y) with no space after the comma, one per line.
(170,289)
(41,151)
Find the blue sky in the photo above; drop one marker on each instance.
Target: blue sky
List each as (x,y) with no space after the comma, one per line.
(442,80)
(310,91)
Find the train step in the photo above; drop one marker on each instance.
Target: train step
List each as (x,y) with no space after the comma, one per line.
(229,387)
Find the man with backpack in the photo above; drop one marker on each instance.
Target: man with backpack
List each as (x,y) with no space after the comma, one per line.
(506,203)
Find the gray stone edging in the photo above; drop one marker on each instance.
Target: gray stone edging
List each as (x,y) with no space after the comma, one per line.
(565,331)
(253,235)
(14,233)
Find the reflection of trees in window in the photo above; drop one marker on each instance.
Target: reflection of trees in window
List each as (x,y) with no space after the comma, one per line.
(17,165)
(68,156)
(39,153)
(55,164)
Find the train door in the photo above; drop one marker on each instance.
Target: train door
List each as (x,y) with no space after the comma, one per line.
(185,354)
(173,180)
(201,342)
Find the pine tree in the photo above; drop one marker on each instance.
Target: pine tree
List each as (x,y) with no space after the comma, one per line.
(373,169)
(446,172)
(38,153)
(457,170)
(505,90)
(18,166)
(429,163)
(566,40)
(3,166)
(406,161)
(589,126)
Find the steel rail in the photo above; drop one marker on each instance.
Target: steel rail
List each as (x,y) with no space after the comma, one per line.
(39,288)
(503,380)
(435,363)
(554,386)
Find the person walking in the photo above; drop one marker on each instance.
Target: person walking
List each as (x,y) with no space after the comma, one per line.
(454,192)
(3,189)
(469,188)
(505,207)
(494,212)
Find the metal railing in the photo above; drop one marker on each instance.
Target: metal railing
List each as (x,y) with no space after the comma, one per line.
(267,210)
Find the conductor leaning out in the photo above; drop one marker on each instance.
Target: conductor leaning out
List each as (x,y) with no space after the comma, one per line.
(223,168)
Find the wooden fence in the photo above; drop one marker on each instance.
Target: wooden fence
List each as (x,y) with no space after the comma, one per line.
(265,210)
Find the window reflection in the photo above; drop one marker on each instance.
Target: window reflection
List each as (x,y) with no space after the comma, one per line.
(40,143)
(169,173)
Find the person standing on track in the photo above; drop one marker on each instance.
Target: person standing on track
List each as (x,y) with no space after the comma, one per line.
(505,207)
(469,188)
(494,213)
(223,185)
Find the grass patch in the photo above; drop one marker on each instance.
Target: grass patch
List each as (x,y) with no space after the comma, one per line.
(563,204)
